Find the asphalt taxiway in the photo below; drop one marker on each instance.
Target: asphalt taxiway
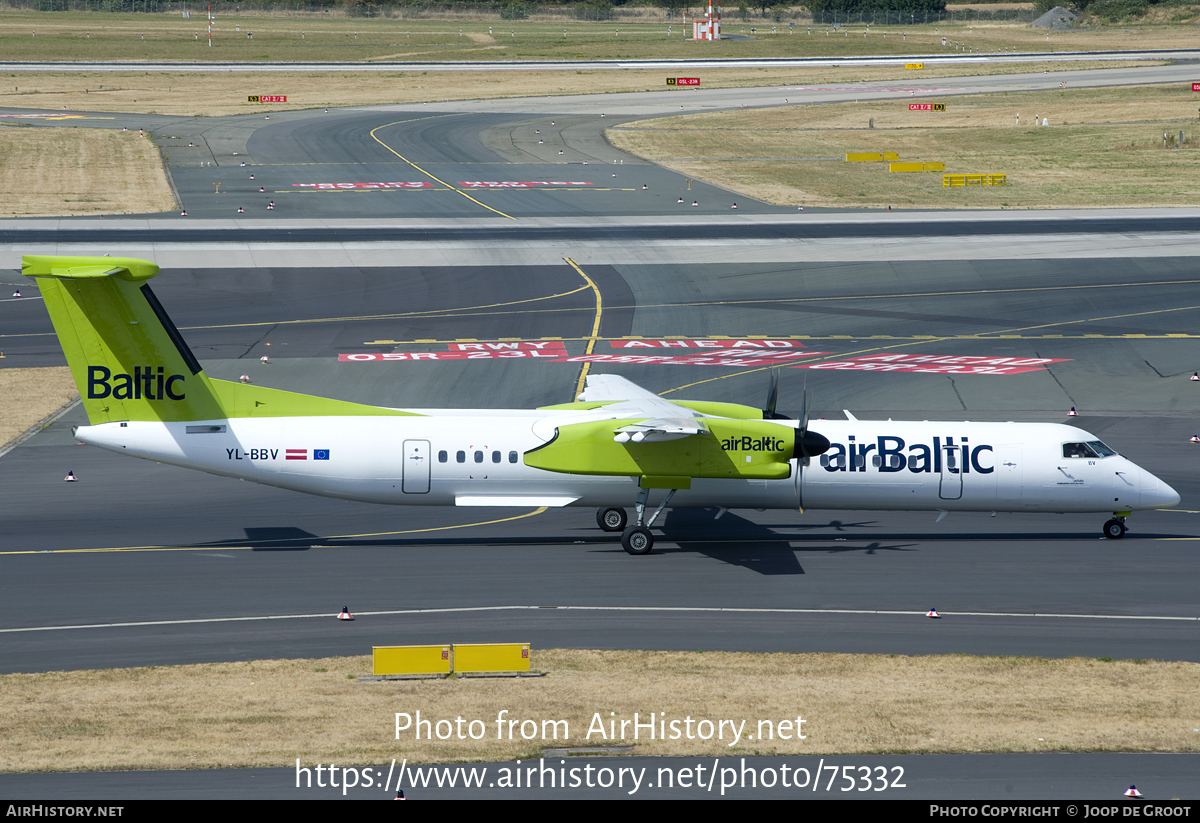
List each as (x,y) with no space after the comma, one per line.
(167,565)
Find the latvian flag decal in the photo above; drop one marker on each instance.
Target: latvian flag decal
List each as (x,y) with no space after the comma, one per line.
(296,454)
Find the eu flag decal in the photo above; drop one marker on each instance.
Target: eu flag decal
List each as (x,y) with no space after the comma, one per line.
(320,454)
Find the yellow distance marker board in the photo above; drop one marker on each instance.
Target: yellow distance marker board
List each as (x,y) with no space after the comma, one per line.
(491,657)
(411,659)
(914,65)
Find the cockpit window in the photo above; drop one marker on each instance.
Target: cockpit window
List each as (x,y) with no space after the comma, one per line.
(1101,449)
(1078,450)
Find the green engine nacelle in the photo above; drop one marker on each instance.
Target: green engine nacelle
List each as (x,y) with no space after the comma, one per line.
(742,449)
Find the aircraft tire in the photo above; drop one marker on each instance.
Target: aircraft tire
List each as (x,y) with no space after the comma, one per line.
(637,540)
(611,519)
(1114,529)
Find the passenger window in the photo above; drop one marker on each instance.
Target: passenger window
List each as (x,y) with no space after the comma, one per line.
(478,457)
(461,457)
(495,457)
(512,457)
(443,457)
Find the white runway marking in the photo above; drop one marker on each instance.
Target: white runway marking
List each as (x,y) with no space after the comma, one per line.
(678,609)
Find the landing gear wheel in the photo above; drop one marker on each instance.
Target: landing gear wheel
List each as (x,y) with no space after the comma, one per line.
(1114,529)
(637,540)
(611,519)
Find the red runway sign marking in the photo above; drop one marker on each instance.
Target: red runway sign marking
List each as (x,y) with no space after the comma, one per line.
(512,184)
(721,358)
(936,364)
(401,185)
(367,357)
(706,344)
(543,345)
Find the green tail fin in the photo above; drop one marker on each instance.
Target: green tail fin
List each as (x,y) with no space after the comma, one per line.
(130,362)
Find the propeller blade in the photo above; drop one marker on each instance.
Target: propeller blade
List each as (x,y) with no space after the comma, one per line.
(769,412)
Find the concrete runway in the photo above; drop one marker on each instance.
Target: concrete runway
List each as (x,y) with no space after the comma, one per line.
(141,564)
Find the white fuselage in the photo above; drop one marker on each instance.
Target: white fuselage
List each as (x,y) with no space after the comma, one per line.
(475,458)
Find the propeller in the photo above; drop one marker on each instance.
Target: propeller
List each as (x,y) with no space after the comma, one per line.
(769,412)
(808,444)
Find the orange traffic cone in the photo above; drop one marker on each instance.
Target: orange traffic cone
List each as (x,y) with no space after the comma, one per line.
(345,615)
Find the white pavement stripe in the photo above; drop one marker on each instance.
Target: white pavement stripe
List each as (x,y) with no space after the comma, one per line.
(680,609)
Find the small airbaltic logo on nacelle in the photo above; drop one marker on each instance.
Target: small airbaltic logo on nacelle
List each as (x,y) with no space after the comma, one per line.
(145,383)
(753,444)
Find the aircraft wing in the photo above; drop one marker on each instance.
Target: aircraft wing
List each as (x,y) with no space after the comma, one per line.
(631,400)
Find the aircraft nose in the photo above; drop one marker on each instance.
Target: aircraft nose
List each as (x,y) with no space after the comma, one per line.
(1156,494)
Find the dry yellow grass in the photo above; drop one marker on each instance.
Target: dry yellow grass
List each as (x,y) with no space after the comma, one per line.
(1103,147)
(269,713)
(30,395)
(59,172)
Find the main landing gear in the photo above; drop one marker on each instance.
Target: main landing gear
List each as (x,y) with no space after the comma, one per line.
(611,519)
(1115,529)
(635,539)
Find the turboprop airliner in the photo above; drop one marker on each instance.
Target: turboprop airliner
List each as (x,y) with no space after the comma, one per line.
(618,445)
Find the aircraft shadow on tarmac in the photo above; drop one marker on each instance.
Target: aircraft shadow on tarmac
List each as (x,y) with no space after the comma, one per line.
(768,549)
(754,546)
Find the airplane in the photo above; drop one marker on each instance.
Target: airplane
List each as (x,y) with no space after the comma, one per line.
(146,395)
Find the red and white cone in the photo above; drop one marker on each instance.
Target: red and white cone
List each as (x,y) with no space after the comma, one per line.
(70,478)
(1072,412)
(1195,376)
(241,210)
(345,615)
(245,378)
(264,360)
(735,205)
(1133,792)
(183,214)
(17,293)
(1195,438)
(932,613)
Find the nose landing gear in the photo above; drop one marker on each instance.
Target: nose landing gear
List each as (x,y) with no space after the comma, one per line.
(1115,529)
